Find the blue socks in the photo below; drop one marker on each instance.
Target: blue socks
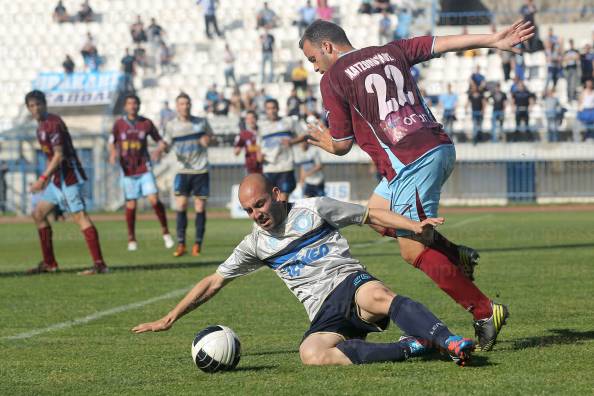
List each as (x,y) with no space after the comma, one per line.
(362,352)
(200,226)
(180,225)
(417,321)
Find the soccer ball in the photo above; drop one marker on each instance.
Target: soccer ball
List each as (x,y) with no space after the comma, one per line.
(216,348)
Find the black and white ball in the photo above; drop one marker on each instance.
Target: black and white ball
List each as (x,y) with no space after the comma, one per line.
(216,348)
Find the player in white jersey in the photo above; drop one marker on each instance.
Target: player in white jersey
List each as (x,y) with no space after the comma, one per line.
(277,135)
(189,136)
(301,242)
(311,176)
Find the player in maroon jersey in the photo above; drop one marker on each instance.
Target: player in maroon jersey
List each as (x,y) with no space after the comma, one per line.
(248,139)
(129,143)
(372,98)
(60,185)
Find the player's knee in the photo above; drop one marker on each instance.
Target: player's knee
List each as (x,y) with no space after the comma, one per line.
(37,216)
(131,204)
(310,356)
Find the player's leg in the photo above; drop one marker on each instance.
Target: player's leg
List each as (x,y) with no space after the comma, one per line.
(319,349)
(287,184)
(150,191)
(181,191)
(42,209)
(91,235)
(131,223)
(201,191)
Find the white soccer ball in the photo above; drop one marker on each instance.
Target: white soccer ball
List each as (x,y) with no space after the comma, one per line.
(216,348)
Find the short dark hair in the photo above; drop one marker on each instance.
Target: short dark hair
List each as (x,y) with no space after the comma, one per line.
(183,95)
(321,30)
(132,96)
(273,101)
(252,112)
(36,95)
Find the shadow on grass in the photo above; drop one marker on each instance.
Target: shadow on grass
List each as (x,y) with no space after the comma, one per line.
(475,360)
(123,268)
(255,368)
(264,353)
(559,337)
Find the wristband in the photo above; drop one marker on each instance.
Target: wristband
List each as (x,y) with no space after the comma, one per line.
(43,177)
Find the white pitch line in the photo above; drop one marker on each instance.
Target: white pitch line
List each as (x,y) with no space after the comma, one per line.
(97,315)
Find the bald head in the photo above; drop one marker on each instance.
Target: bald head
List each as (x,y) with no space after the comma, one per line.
(260,200)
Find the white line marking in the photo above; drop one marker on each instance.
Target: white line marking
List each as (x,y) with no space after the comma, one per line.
(97,315)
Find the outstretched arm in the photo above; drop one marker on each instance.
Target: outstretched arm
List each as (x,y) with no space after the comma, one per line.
(320,136)
(201,293)
(505,40)
(388,219)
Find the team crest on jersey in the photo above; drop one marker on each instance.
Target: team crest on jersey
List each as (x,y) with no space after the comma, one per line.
(141,135)
(123,136)
(302,223)
(42,135)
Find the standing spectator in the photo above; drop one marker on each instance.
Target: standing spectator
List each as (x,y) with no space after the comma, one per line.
(553,59)
(528,11)
(3,186)
(519,66)
(229,71)
(498,99)
(189,137)
(266,17)
(128,63)
(477,103)
(222,106)
(267,40)
(587,64)
(311,176)
(307,14)
(506,63)
(210,17)
(299,78)
(137,31)
(523,101)
(68,65)
(586,109)
(293,104)
(382,5)
(325,12)
(310,102)
(212,96)
(165,57)
(235,103)
(552,110)
(385,29)
(571,60)
(405,20)
(60,14)
(248,140)
(448,101)
(479,79)
(365,7)
(89,53)
(260,100)
(155,32)
(85,14)
(140,56)
(165,115)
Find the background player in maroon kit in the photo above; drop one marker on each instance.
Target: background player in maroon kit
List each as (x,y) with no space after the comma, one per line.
(61,183)
(371,97)
(129,142)
(248,139)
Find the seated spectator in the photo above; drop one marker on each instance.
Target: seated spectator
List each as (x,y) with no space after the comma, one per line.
(365,7)
(552,109)
(137,31)
(235,103)
(222,105)
(155,32)
(586,109)
(448,101)
(385,33)
(85,14)
(477,104)
(140,56)
(299,78)
(60,15)
(498,99)
(523,101)
(90,54)
(310,102)
(325,12)
(587,64)
(293,104)
(307,14)
(405,19)
(382,5)
(479,79)
(212,96)
(260,101)
(266,18)
(68,65)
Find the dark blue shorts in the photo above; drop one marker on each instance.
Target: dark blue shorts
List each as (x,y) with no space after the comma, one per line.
(197,185)
(312,190)
(285,181)
(338,313)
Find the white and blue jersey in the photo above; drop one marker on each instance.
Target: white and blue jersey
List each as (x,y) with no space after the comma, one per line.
(184,137)
(278,157)
(306,250)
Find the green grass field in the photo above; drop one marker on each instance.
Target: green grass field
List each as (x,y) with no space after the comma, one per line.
(540,264)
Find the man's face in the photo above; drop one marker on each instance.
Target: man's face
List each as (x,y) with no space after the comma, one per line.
(183,106)
(263,208)
(131,107)
(36,108)
(321,57)
(271,111)
(250,121)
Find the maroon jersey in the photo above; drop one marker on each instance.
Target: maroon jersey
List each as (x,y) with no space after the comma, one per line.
(130,137)
(248,139)
(371,96)
(52,132)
